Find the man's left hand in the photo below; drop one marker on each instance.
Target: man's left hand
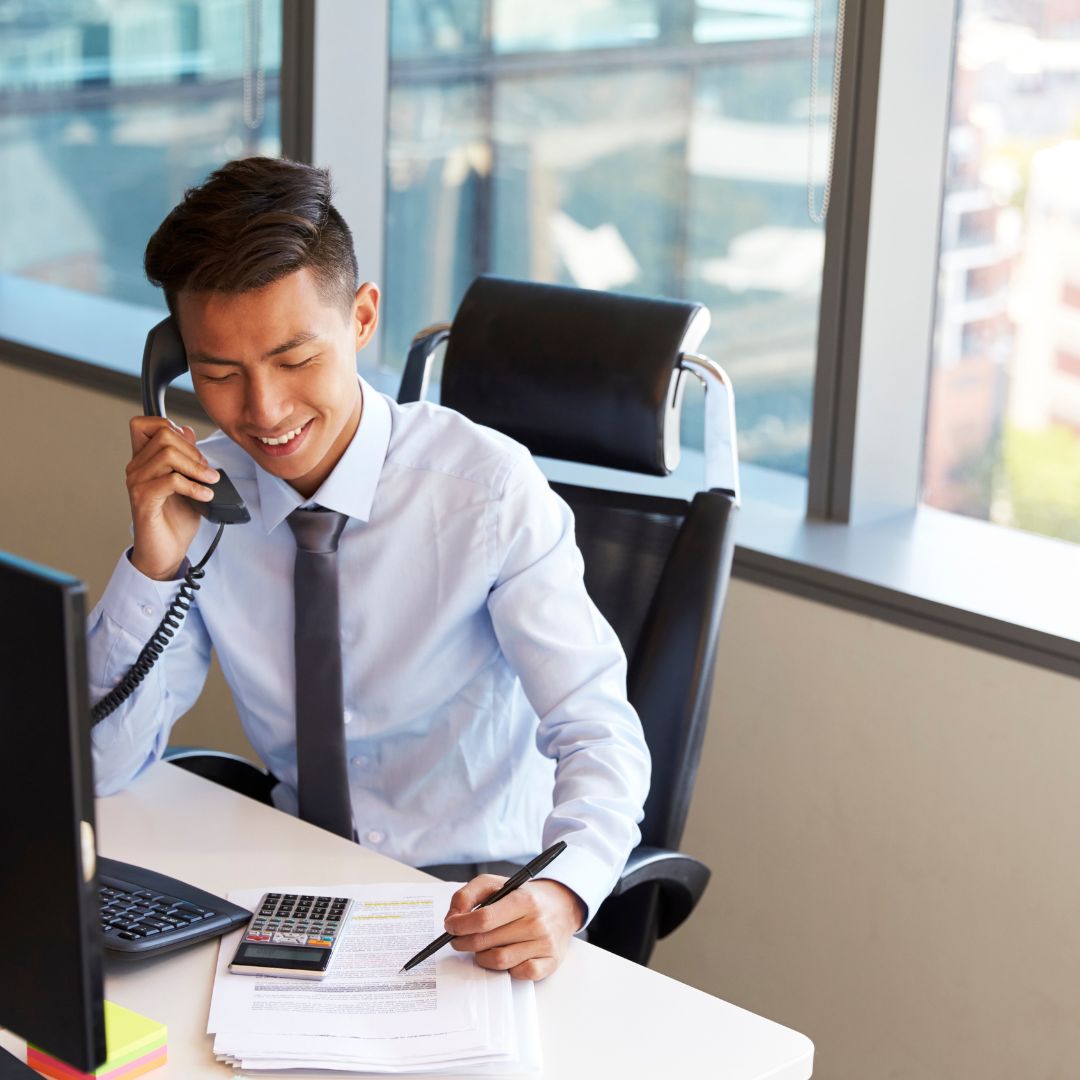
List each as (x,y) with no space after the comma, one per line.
(526,933)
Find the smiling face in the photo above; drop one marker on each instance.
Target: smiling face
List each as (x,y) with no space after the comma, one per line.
(275,369)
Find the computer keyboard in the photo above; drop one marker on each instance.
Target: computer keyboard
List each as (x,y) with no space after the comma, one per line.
(144,913)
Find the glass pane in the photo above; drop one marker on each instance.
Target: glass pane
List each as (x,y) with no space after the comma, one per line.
(749,20)
(108,111)
(685,178)
(438,163)
(427,28)
(587,180)
(755,257)
(576,24)
(1003,429)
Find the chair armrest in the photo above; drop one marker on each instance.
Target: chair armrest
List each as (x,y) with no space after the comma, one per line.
(230,770)
(414,378)
(681,879)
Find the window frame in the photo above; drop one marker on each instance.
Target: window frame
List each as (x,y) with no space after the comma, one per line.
(852,534)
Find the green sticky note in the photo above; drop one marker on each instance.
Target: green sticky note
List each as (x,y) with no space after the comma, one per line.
(129,1034)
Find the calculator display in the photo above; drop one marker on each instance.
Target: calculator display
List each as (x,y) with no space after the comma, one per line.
(281,952)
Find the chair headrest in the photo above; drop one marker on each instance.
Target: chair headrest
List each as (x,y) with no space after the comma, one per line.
(573,373)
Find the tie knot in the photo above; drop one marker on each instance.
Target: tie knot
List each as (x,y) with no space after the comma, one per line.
(317,530)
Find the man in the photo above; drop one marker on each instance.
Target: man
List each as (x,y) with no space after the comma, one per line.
(485,711)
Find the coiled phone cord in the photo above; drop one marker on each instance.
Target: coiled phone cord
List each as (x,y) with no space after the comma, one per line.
(159,639)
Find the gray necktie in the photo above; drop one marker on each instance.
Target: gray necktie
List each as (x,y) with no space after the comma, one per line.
(323,781)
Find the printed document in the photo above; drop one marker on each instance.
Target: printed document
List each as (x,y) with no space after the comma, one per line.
(446,1013)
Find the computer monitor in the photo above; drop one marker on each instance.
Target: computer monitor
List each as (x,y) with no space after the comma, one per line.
(51,989)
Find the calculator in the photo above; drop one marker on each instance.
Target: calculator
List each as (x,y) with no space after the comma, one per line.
(292,935)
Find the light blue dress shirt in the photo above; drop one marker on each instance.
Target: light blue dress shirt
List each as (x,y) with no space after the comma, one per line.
(485,696)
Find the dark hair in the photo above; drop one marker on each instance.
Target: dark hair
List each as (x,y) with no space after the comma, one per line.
(249,224)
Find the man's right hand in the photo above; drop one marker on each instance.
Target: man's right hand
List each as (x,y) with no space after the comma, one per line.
(165,464)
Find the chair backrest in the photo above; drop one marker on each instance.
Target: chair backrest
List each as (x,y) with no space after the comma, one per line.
(658,571)
(597,378)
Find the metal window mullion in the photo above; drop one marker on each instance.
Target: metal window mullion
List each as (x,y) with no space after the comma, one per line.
(297,78)
(879,288)
(483,252)
(846,233)
(335,61)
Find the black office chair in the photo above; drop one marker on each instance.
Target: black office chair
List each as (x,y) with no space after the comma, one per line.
(229,770)
(598,378)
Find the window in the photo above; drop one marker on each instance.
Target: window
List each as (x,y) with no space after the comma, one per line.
(631,145)
(1003,431)
(108,111)
(643,146)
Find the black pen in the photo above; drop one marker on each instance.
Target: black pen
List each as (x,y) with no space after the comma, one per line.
(530,870)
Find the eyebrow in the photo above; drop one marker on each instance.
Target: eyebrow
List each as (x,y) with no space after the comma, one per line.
(286,346)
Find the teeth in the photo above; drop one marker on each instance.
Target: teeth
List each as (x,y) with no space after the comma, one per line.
(281,440)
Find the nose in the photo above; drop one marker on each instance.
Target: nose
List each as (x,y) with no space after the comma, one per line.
(266,402)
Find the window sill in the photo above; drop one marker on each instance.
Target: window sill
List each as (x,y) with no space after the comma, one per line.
(967,581)
(963,580)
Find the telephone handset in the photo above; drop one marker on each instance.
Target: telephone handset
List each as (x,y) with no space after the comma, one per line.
(164,360)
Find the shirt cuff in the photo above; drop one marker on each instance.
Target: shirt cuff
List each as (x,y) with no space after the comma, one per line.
(585,875)
(135,602)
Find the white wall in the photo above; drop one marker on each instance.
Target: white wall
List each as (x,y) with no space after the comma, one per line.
(891,820)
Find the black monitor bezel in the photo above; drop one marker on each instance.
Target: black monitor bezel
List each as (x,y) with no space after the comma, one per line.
(52,993)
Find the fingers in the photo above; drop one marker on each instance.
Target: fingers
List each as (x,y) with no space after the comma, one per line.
(166,462)
(143,428)
(519,929)
(462,921)
(524,960)
(526,933)
(469,895)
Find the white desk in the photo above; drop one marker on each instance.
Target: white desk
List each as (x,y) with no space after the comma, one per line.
(599,1014)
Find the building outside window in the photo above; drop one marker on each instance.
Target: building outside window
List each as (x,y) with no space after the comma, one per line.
(109,110)
(1003,426)
(657,147)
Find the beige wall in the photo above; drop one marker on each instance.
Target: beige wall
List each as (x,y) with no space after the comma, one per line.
(892,824)
(65,505)
(891,820)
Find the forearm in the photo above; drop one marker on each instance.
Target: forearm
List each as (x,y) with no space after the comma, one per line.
(136,733)
(573,670)
(602,771)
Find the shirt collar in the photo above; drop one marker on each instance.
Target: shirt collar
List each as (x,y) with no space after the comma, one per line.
(350,488)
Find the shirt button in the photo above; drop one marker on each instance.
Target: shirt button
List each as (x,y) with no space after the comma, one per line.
(375,837)
(147,610)
(361,761)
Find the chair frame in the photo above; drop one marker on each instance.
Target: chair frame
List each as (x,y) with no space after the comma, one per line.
(657,885)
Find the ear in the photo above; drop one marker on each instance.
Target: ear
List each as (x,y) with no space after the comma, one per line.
(365,313)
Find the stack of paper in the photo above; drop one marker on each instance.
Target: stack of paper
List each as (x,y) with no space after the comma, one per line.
(444,1015)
